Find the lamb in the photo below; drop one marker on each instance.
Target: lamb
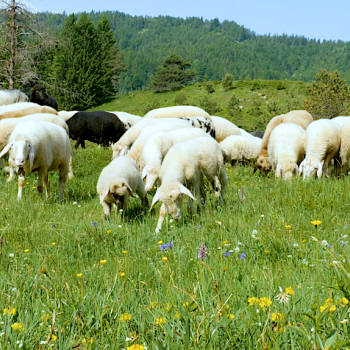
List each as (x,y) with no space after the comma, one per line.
(99,127)
(301,118)
(65,115)
(183,166)
(128,119)
(38,146)
(28,111)
(8,97)
(239,148)
(157,146)
(286,149)
(38,95)
(322,145)
(224,128)
(177,112)
(117,181)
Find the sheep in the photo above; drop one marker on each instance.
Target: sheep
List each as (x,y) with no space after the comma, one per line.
(38,95)
(259,134)
(239,148)
(223,128)
(157,146)
(322,145)
(340,120)
(202,123)
(127,119)
(28,111)
(99,127)
(183,166)
(8,97)
(344,145)
(302,118)
(286,149)
(65,115)
(117,181)
(39,146)
(17,106)
(177,112)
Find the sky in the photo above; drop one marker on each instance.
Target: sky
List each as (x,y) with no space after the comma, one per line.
(314,19)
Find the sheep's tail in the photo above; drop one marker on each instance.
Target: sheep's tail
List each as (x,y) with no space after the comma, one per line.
(265,141)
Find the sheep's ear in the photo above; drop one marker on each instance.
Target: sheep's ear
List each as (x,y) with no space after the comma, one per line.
(31,157)
(278,170)
(103,195)
(319,170)
(146,170)
(6,149)
(122,151)
(186,191)
(155,200)
(129,189)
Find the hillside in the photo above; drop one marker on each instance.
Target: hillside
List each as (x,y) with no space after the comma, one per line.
(260,100)
(214,48)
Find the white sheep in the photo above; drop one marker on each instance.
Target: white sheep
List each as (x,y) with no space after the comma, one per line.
(223,128)
(203,123)
(181,173)
(344,146)
(117,181)
(65,115)
(38,146)
(156,148)
(8,97)
(322,145)
(177,112)
(127,119)
(286,149)
(238,148)
(28,111)
(17,106)
(340,120)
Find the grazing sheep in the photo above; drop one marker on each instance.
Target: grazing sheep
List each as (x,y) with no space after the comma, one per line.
(340,120)
(28,111)
(177,112)
(38,95)
(8,97)
(286,149)
(344,146)
(156,148)
(322,145)
(38,146)
(259,134)
(127,119)
(224,128)
(98,127)
(202,123)
(117,181)
(239,148)
(181,173)
(17,106)
(65,115)
(302,118)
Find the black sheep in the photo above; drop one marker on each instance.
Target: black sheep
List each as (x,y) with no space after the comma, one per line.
(98,127)
(38,95)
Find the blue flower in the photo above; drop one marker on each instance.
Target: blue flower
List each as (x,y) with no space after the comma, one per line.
(165,246)
(199,226)
(329,246)
(343,243)
(227,254)
(242,256)
(53,226)
(94,224)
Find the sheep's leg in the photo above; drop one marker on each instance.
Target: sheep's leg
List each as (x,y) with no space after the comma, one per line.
(125,202)
(42,179)
(12,173)
(64,168)
(202,193)
(70,173)
(162,214)
(106,209)
(143,196)
(326,166)
(224,182)
(21,179)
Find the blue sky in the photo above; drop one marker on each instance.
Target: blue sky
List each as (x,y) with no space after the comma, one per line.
(320,19)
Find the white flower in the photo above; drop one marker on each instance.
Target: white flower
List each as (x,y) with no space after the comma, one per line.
(344,236)
(219,247)
(262,215)
(218,222)
(237,249)
(121,210)
(314,238)
(43,342)
(14,289)
(240,107)
(171,220)
(1,334)
(289,256)
(324,243)
(257,311)
(227,245)
(74,203)
(255,232)
(312,329)
(255,237)
(11,255)
(79,206)
(128,339)
(335,262)
(295,245)
(41,324)
(344,321)
(25,258)
(305,262)
(120,226)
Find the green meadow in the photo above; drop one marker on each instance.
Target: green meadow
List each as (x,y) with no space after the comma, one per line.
(268,277)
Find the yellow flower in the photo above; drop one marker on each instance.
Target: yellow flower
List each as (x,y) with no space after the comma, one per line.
(160,321)
(276,316)
(323,307)
(344,301)
(303,241)
(11,311)
(227,306)
(288,227)
(122,274)
(153,304)
(177,315)
(18,327)
(109,231)
(265,302)
(299,286)
(160,242)
(125,317)
(33,188)
(225,242)
(224,269)
(136,347)
(332,308)
(125,251)
(165,259)
(53,337)
(26,250)
(79,275)
(185,305)
(290,291)
(329,301)
(232,316)
(253,301)
(267,252)
(42,270)
(45,317)
(133,334)
(103,262)
(345,321)
(316,222)
(85,341)
(53,243)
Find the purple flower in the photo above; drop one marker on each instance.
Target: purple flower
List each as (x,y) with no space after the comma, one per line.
(202,254)
(199,226)
(53,226)
(242,256)
(143,213)
(227,254)
(165,246)
(329,246)
(343,243)
(257,224)
(94,224)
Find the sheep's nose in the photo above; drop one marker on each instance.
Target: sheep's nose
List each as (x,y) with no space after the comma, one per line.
(19,161)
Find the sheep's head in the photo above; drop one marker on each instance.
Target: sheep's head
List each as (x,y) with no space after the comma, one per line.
(39,92)
(263,164)
(286,169)
(310,168)
(118,150)
(151,174)
(115,190)
(172,195)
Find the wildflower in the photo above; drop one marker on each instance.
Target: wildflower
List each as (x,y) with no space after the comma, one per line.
(299,285)
(324,243)
(120,226)
(153,304)
(329,246)
(316,223)
(218,223)
(122,274)
(45,317)
(136,347)
(165,259)
(43,342)
(79,275)
(323,307)
(133,334)
(165,246)
(343,243)
(224,269)
(329,301)
(255,232)
(125,252)
(202,254)
(288,227)
(332,308)
(227,254)
(160,321)
(53,337)
(295,245)
(186,304)
(290,291)
(237,249)
(11,311)
(11,255)
(265,302)
(26,250)
(177,315)
(18,327)
(253,301)
(262,215)
(344,321)
(225,242)
(303,241)
(232,316)
(283,297)
(276,316)
(243,255)
(344,301)
(53,243)
(109,231)
(199,226)
(75,203)
(267,252)
(125,317)
(53,226)
(160,242)
(103,262)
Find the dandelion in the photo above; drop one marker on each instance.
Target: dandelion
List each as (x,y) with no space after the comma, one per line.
(160,321)
(10,311)
(243,255)
(267,252)
(344,301)
(53,337)
(160,242)
(316,223)
(290,291)
(332,308)
(136,347)
(283,297)
(165,259)
(276,316)
(18,327)
(26,250)
(103,262)
(79,275)
(288,227)
(323,307)
(109,232)
(53,244)
(122,274)
(202,254)
(186,304)
(265,302)
(125,252)
(227,254)
(125,317)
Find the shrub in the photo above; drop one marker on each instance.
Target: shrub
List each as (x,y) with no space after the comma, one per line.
(153,105)
(180,99)
(209,105)
(281,85)
(227,81)
(256,85)
(233,106)
(210,88)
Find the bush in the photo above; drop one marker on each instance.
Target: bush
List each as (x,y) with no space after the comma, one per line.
(153,105)
(233,106)
(209,105)
(210,88)
(256,85)
(180,99)
(227,81)
(281,85)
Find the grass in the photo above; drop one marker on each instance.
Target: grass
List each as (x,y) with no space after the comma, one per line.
(77,281)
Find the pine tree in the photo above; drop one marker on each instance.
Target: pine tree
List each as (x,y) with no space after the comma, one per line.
(174,74)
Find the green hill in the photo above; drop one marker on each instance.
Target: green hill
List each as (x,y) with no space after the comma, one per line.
(260,100)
